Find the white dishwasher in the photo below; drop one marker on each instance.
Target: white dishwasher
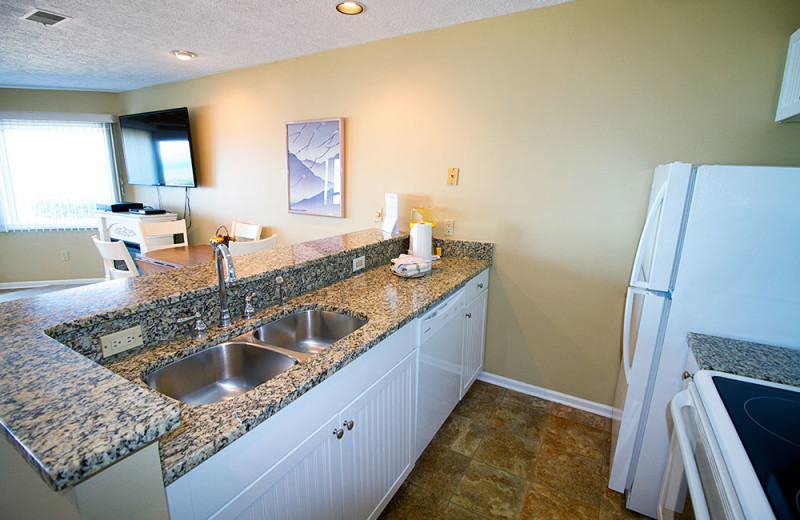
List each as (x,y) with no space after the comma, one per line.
(440,333)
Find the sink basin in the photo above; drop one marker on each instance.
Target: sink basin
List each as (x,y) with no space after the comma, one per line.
(219,373)
(308,331)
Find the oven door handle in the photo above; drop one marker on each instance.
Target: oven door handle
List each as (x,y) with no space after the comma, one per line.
(679,402)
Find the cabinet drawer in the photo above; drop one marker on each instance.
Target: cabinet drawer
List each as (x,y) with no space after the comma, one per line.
(478,285)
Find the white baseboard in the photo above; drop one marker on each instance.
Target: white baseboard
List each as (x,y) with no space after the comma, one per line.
(549,395)
(47,283)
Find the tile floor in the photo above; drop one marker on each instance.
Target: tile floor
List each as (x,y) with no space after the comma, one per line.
(506,455)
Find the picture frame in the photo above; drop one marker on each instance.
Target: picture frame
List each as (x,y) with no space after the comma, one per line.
(315,167)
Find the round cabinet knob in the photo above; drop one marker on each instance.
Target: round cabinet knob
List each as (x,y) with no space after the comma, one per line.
(339,433)
(348,425)
(480,286)
(468,315)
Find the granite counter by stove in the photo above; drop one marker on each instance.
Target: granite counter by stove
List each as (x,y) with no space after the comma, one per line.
(70,417)
(767,362)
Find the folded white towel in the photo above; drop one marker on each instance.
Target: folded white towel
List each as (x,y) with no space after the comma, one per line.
(407,265)
(409,259)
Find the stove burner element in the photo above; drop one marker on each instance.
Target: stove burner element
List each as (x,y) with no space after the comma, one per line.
(780,417)
(767,421)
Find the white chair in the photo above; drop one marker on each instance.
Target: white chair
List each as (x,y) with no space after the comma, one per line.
(115,251)
(242,248)
(245,230)
(160,235)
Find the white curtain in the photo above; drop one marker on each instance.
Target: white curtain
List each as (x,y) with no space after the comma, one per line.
(52,173)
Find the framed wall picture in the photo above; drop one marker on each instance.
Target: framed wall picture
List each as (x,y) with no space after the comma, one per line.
(315,152)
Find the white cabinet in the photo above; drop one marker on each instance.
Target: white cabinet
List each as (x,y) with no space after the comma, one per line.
(377,442)
(309,460)
(125,226)
(474,334)
(789,101)
(474,330)
(305,484)
(349,468)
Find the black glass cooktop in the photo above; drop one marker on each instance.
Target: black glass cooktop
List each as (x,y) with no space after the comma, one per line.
(768,422)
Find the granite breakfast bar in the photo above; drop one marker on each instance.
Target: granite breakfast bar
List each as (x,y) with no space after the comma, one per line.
(70,413)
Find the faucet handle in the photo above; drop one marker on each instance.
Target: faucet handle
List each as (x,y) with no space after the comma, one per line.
(199,327)
(249,310)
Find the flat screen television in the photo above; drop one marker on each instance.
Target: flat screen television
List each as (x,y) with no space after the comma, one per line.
(157,147)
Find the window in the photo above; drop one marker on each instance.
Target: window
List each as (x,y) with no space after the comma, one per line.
(54,168)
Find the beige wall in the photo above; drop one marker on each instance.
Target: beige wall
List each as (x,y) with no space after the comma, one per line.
(37,255)
(556,118)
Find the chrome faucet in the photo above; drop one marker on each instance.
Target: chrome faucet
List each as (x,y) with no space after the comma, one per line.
(225,275)
(283,291)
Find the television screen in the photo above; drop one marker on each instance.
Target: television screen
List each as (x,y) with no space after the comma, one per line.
(157,147)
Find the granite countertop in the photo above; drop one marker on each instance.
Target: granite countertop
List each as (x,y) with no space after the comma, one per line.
(744,358)
(70,417)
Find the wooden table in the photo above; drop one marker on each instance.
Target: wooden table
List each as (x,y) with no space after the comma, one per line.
(172,257)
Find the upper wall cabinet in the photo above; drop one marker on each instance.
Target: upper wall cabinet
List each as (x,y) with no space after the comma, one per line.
(789,102)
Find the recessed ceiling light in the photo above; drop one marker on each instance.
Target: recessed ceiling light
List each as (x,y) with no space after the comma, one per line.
(184,55)
(349,8)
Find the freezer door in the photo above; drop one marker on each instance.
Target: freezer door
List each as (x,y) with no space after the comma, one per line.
(654,262)
(644,313)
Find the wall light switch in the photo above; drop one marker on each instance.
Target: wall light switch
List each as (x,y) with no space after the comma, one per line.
(452,176)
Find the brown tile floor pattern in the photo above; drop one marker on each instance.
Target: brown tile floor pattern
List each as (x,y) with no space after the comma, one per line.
(506,455)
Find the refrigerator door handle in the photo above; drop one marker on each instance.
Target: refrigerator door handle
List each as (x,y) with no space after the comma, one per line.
(626,331)
(651,220)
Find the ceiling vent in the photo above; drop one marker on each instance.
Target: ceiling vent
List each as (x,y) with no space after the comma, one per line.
(44,17)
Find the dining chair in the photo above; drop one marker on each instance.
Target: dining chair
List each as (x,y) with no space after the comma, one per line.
(112,252)
(242,248)
(161,235)
(245,230)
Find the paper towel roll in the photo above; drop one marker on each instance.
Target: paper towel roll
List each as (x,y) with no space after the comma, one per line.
(421,240)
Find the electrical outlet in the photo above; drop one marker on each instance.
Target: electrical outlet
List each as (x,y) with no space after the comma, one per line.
(358,263)
(452,176)
(65,255)
(121,341)
(449,227)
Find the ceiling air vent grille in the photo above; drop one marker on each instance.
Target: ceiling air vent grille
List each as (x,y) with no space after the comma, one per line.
(44,17)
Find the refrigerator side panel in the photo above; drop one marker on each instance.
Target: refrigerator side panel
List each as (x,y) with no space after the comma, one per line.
(739,274)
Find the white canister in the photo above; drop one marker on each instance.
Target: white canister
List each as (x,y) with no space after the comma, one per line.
(421,240)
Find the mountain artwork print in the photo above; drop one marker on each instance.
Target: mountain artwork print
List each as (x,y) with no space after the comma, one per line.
(316,167)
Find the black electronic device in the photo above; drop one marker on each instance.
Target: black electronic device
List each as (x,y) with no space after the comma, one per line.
(119,207)
(157,147)
(147,211)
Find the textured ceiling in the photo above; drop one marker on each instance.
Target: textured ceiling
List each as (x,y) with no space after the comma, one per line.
(114,45)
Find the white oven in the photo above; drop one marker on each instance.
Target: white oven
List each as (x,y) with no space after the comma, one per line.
(736,448)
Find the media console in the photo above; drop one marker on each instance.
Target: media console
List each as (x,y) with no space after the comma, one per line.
(125,226)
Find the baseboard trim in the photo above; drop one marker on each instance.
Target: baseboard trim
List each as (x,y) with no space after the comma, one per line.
(549,395)
(47,283)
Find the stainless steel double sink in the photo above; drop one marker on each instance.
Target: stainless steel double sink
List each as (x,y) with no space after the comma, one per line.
(234,367)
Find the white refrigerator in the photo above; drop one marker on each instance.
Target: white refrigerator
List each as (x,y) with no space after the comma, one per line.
(719,254)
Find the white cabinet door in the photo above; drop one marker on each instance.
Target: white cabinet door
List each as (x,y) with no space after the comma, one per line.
(305,484)
(378,441)
(474,337)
